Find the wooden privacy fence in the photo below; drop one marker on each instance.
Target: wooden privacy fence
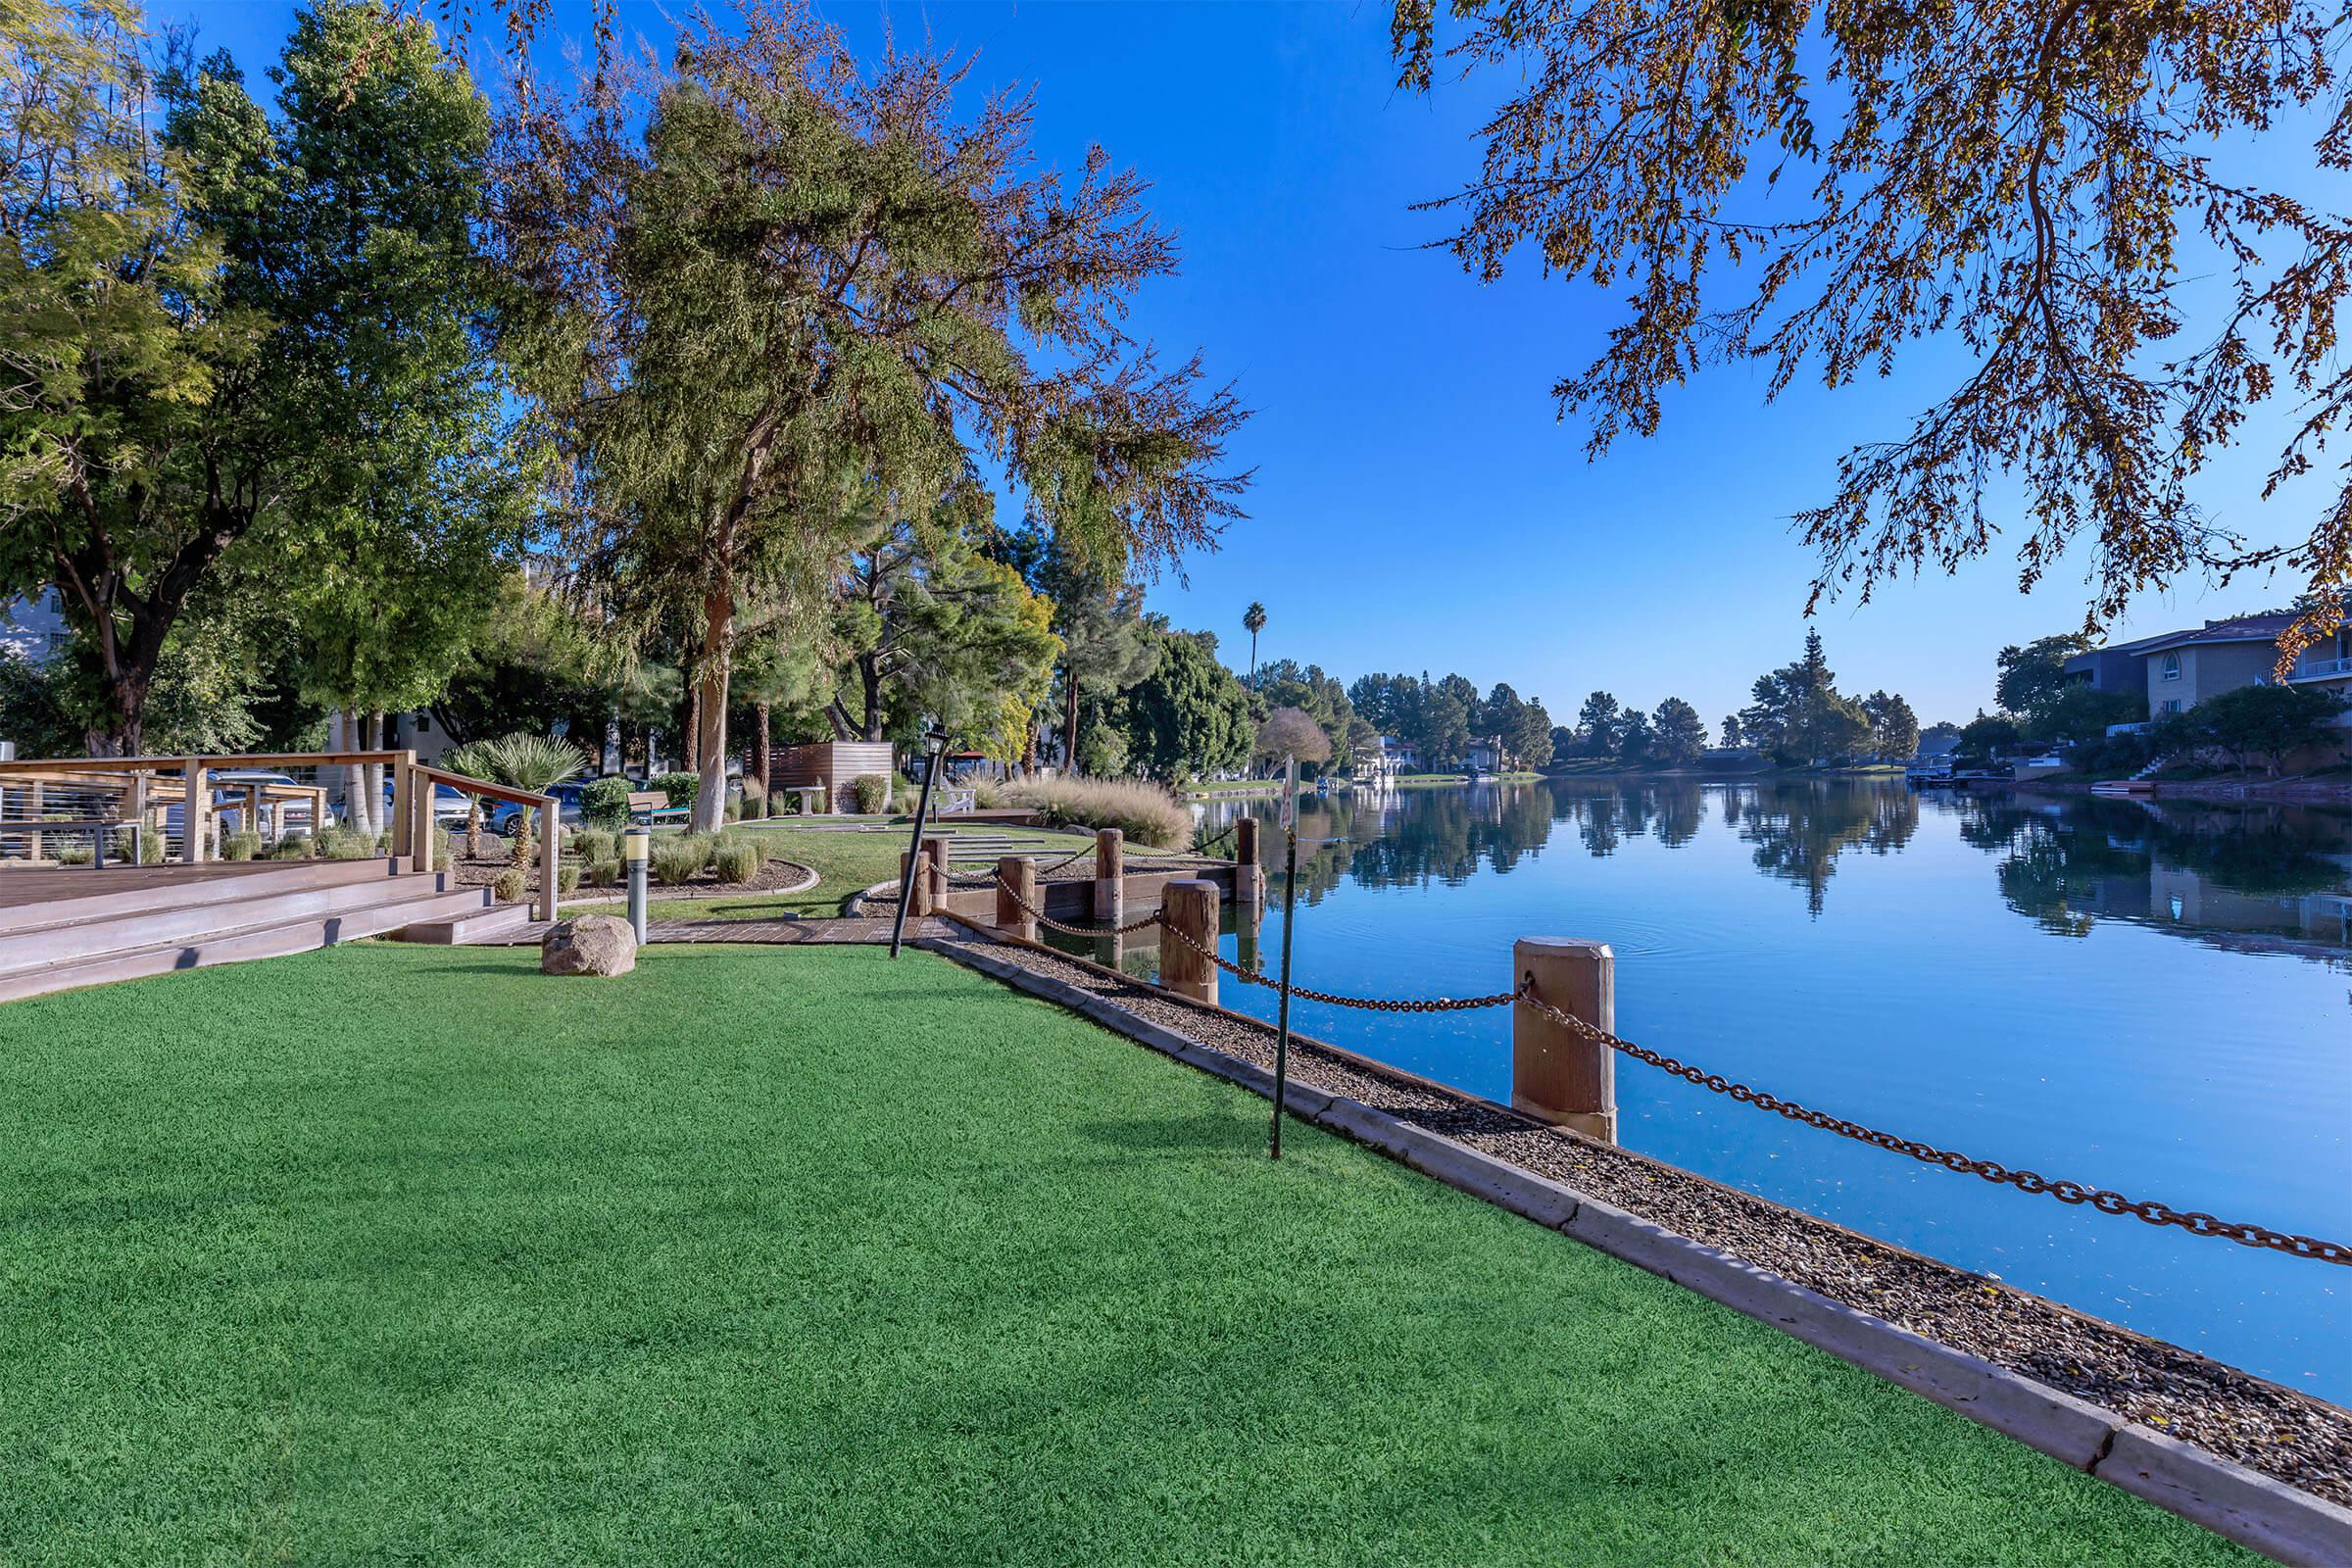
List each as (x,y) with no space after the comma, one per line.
(144,785)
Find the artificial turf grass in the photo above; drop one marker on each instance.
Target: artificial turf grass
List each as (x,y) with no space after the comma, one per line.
(797,1256)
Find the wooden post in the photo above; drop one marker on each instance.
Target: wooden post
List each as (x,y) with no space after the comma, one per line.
(195,815)
(1019,872)
(551,855)
(422,830)
(1110,881)
(1556,1074)
(1249,872)
(404,807)
(1191,906)
(34,806)
(135,808)
(935,850)
(918,889)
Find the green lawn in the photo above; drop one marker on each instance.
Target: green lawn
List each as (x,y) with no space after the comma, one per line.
(406,1254)
(846,864)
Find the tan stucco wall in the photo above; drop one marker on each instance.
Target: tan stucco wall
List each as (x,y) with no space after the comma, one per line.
(2208,671)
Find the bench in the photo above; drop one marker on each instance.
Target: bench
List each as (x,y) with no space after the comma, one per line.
(653,806)
(100,829)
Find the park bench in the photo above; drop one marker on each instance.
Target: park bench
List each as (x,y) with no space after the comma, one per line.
(653,806)
(100,829)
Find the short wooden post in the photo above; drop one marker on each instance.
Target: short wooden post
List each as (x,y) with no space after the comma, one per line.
(919,891)
(422,834)
(1017,875)
(195,816)
(1111,879)
(935,850)
(1557,1074)
(1248,871)
(551,853)
(1190,909)
(34,806)
(1248,920)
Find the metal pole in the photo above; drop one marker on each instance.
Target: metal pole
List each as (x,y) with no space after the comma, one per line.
(915,854)
(1282,1032)
(636,845)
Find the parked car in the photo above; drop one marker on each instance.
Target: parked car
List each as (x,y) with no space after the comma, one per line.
(505,818)
(449,804)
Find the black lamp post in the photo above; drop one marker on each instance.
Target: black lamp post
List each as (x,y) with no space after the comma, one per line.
(935,746)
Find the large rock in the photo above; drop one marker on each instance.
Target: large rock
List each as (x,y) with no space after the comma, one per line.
(589,943)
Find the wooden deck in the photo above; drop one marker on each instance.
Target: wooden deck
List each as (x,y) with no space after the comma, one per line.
(22,886)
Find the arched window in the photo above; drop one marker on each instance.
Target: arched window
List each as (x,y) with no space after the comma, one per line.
(2171,666)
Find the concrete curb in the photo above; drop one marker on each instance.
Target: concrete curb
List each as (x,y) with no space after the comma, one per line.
(2244,1506)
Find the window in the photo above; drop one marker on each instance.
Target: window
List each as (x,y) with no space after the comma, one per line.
(2171,666)
(2171,705)
(424,724)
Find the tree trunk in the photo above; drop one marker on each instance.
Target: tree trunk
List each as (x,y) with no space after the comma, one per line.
(1069,721)
(710,711)
(762,711)
(612,757)
(693,760)
(870,674)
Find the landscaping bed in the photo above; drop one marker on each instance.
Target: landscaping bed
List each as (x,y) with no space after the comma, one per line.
(896,1267)
(2262,1425)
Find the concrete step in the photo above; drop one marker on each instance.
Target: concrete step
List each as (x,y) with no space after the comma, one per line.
(270,941)
(497,923)
(141,888)
(243,903)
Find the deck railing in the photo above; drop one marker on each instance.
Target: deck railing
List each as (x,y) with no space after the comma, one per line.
(145,789)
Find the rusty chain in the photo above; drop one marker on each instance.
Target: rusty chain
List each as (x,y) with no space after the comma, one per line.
(2148,1209)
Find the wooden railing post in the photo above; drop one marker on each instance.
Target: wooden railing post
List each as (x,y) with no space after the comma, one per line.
(1248,873)
(1110,881)
(195,814)
(1190,909)
(1557,1074)
(424,829)
(918,887)
(551,855)
(34,806)
(135,808)
(1017,875)
(404,807)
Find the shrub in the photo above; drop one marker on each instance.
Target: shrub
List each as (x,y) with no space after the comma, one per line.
(567,878)
(988,795)
(870,793)
(344,845)
(680,858)
(511,885)
(293,847)
(241,847)
(592,845)
(604,873)
(738,860)
(71,855)
(755,799)
(604,804)
(681,788)
(1145,812)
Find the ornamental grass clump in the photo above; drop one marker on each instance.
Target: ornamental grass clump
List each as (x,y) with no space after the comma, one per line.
(241,847)
(678,859)
(870,793)
(738,858)
(511,885)
(1144,812)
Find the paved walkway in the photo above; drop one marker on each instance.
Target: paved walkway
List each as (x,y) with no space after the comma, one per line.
(778,933)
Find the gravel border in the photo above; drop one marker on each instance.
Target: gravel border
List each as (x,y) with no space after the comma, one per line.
(2263,1425)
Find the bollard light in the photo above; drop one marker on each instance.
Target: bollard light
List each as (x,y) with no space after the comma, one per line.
(636,848)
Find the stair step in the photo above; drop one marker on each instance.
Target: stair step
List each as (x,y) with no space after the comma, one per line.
(241,909)
(272,940)
(492,924)
(140,890)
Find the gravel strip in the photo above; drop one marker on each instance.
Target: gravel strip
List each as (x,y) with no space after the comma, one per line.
(2280,1431)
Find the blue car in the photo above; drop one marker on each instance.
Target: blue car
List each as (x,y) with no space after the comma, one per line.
(505,818)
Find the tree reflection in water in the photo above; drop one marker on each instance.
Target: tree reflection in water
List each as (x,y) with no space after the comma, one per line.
(2065,862)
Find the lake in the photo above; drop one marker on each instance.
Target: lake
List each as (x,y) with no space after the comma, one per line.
(2151,997)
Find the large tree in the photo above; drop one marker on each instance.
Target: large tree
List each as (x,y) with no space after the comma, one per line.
(2031,186)
(767,273)
(2031,676)
(1800,716)
(1192,716)
(1893,726)
(231,341)
(1678,734)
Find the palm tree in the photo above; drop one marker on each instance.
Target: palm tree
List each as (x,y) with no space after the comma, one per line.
(1254,620)
(473,760)
(536,763)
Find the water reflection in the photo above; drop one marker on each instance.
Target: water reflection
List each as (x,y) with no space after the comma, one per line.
(2278,878)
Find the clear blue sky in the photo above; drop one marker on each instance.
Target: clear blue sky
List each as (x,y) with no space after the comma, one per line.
(1416,505)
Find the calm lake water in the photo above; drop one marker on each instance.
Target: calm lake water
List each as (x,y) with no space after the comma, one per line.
(2156,1000)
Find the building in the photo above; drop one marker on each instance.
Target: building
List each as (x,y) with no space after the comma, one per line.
(1396,757)
(1487,755)
(34,629)
(2177,670)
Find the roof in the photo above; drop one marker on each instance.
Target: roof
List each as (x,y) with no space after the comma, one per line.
(2237,629)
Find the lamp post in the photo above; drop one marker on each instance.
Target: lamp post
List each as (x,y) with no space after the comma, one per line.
(935,746)
(635,846)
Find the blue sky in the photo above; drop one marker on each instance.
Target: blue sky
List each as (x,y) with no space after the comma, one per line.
(1417,505)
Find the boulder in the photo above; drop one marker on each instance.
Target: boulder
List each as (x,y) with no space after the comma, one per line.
(589,943)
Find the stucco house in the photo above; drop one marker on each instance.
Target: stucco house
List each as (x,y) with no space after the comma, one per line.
(34,629)
(2179,669)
